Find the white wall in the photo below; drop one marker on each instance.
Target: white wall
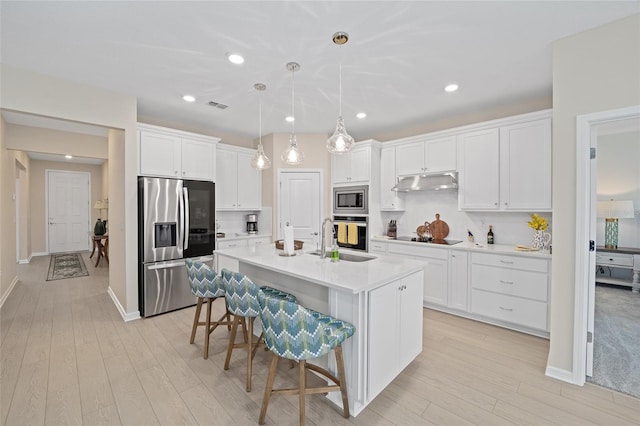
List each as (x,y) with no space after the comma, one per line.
(597,70)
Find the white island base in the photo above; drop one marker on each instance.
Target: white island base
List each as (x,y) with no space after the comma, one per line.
(382,298)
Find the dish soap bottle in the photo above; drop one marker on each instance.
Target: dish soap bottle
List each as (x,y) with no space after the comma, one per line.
(335,256)
(490,235)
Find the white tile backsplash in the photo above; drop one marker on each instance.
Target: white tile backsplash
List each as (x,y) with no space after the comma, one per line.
(232,221)
(421,206)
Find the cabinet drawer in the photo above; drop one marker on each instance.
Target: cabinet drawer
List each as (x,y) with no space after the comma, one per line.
(614,259)
(231,244)
(529,313)
(515,262)
(260,242)
(513,282)
(419,251)
(377,246)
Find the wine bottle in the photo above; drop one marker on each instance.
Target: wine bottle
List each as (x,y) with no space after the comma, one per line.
(490,235)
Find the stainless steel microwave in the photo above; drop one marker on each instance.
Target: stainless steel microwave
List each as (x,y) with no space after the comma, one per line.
(351,200)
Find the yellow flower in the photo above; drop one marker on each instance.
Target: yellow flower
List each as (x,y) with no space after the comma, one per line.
(538,223)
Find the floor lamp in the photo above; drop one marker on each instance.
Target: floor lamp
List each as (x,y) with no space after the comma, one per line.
(611,211)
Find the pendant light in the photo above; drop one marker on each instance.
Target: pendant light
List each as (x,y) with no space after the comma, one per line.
(340,142)
(292,155)
(260,161)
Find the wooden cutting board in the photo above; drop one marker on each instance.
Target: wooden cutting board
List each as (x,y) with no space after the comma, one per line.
(439,228)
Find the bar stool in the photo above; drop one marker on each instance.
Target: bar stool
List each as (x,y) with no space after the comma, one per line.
(207,286)
(241,295)
(294,332)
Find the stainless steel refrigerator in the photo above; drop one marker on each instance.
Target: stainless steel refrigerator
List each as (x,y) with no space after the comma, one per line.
(176,220)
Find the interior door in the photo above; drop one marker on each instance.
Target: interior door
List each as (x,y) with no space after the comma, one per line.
(68,211)
(300,205)
(591,302)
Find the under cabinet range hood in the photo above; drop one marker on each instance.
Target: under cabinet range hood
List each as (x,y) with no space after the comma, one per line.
(427,182)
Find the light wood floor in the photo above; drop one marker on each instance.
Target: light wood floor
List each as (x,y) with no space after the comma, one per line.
(68,358)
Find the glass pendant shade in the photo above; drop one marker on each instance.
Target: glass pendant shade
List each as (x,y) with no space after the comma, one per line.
(260,161)
(340,142)
(292,155)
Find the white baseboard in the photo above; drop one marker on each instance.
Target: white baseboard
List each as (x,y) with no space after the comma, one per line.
(39,253)
(560,374)
(9,290)
(25,261)
(125,316)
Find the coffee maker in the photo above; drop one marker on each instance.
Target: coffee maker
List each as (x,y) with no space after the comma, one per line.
(252,223)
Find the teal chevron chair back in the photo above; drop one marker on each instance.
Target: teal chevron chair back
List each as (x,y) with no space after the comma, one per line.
(203,280)
(241,294)
(295,332)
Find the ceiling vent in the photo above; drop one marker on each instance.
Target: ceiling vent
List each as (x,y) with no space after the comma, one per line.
(218,105)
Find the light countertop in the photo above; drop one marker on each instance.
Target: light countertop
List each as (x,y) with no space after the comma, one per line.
(354,277)
(473,247)
(242,236)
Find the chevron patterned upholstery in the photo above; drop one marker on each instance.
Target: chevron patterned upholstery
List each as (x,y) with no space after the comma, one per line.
(203,280)
(207,286)
(241,294)
(295,332)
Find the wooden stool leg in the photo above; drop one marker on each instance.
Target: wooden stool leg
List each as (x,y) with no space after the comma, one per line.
(196,319)
(343,380)
(207,325)
(250,353)
(268,388)
(232,340)
(302,386)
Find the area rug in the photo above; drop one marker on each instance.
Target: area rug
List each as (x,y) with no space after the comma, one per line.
(67,265)
(616,342)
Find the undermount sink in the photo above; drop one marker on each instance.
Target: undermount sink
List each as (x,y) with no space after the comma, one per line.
(347,257)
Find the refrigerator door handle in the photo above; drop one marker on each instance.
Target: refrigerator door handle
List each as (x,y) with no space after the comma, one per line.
(166,265)
(180,220)
(186,215)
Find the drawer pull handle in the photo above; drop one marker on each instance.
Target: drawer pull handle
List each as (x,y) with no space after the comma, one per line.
(506,309)
(507,262)
(506,282)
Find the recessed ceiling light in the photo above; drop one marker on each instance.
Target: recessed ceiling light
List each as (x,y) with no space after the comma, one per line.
(361,115)
(68,157)
(189,98)
(234,58)
(290,119)
(451,88)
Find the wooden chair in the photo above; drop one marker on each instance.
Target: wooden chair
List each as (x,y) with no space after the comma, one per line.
(241,296)
(294,332)
(207,286)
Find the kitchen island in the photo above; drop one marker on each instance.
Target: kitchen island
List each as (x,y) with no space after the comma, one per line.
(381,297)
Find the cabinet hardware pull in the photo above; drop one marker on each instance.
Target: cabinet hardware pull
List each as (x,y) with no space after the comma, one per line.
(507,262)
(506,309)
(506,282)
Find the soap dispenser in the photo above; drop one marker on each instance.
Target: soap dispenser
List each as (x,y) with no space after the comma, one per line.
(335,255)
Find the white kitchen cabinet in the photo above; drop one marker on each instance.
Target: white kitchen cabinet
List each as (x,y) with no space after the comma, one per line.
(479,187)
(238,186)
(506,168)
(377,247)
(223,262)
(352,167)
(389,200)
(510,289)
(436,274)
(176,154)
(459,280)
(431,156)
(525,166)
(398,330)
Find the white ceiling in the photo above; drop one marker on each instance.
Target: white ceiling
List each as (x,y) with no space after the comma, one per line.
(395,66)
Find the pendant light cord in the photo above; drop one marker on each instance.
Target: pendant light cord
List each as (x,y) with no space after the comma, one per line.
(340,90)
(293,89)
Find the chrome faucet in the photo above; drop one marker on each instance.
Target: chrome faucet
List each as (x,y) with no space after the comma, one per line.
(323,239)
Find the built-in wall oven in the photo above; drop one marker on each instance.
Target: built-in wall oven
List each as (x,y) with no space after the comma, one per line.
(352,231)
(351,200)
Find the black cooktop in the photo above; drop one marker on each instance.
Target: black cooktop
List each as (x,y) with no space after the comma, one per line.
(429,241)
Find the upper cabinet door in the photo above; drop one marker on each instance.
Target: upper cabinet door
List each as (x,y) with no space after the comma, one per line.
(440,155)
(198,160)
(227,180)
(389,200)
(340,168)
(249,184)
(160,155)
(410,158)
(525,166)
(360,164)
(479,170)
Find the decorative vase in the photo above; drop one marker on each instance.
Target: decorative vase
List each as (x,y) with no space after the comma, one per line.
(540,240)
(100,227)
